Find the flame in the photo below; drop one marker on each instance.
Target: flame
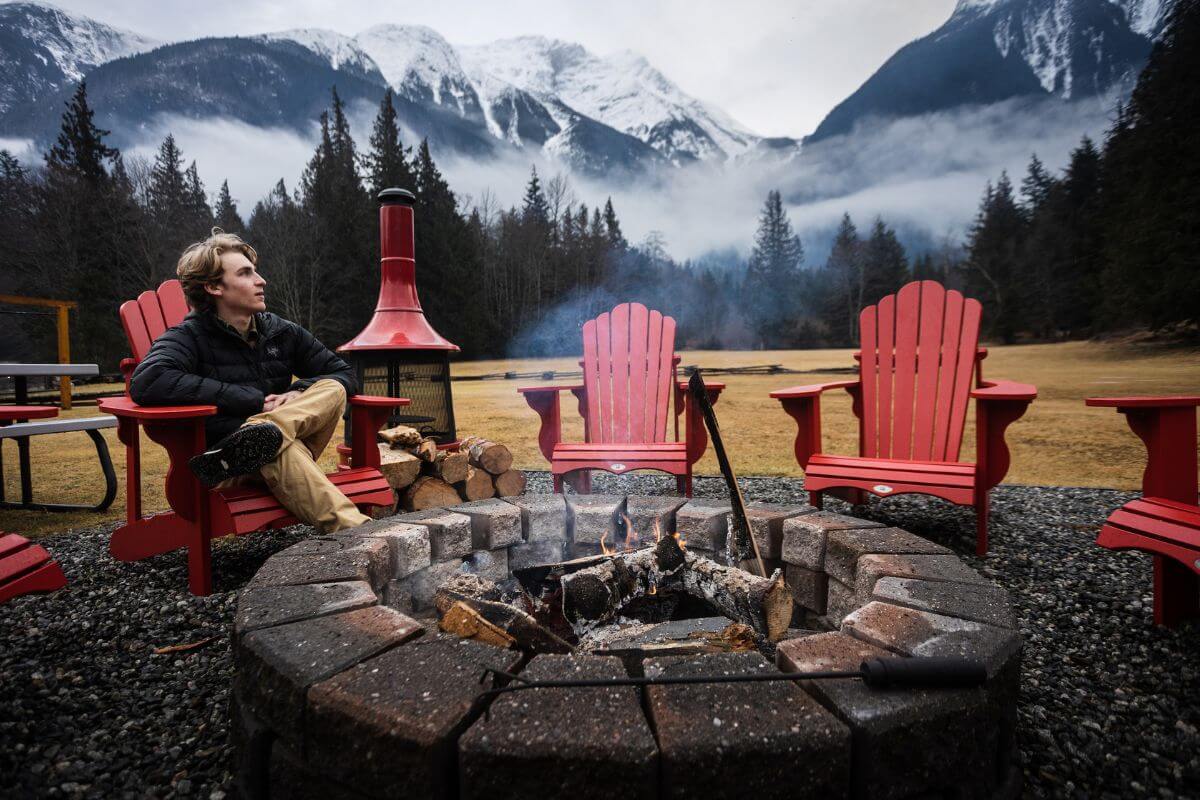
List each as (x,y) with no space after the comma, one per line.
(630,534)
(657,530)
(680,540)
(604,548)
(653,589)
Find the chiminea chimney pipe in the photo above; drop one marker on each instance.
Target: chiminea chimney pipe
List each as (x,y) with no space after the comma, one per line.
(399,322)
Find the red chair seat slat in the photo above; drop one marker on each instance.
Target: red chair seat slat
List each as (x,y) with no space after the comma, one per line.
(1159,508)
(936,467)
(10,543)
(46,578)
(893,476)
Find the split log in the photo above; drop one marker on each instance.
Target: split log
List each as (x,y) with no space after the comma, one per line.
(487,455)
(427,451)
(765,604)
(469,606)
(401,436)
(399,467)
(451,467)
(510,483)
(429,492)
(477,486)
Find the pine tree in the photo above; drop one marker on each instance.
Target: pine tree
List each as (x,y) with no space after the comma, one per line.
(534,207)
(201,215)
(225,215)
(80,149)
(885,264)
(616,239)
(387,162)
(168,194)
(772,275)
(845,276)
(995,244)
(1036,186)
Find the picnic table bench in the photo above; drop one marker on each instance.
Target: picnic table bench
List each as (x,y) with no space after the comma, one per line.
(16,424)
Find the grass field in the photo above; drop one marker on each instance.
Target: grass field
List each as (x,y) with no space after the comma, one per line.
(1058,442)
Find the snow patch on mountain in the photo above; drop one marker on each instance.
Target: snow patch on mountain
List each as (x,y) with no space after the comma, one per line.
(339,50)
(74,43)
(416,61)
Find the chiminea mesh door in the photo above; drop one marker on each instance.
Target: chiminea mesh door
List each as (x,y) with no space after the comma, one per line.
(423,376)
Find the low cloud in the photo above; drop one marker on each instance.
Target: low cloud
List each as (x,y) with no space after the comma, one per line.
(924,175)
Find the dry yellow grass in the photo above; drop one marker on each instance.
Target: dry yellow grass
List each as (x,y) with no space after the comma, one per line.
(1058,442)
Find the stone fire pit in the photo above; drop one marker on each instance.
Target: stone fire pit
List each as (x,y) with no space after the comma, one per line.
(344,687)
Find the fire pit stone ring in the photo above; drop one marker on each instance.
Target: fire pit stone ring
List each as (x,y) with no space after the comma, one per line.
(345,687)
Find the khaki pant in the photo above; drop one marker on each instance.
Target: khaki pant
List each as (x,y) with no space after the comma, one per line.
(308,423)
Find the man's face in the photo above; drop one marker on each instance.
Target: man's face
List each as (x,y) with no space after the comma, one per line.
(240,290)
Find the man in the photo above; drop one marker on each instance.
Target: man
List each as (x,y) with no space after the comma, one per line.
(232,353)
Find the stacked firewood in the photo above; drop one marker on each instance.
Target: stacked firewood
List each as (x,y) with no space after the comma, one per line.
(427,476)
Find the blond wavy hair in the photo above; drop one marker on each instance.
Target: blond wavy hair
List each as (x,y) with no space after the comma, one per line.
(200,265)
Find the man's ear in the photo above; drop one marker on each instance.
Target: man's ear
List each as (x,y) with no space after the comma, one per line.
(214,289)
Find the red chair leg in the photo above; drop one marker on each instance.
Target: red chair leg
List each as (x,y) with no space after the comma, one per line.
(1176,592)
(982,506)
(816,499)
(558,484)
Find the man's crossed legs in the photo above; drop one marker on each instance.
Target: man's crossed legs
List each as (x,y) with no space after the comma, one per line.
(286,457)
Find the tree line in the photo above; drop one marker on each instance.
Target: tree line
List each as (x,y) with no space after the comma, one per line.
(1109,243)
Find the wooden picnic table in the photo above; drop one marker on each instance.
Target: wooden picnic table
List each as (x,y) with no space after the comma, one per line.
(16,417)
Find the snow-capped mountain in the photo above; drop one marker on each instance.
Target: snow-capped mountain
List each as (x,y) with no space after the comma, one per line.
(418,63)
(995,50)
(622,91)
(341,51)
(43,47)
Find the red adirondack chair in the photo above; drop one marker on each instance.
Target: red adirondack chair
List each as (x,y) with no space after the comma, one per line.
(1166,520)
(629,378)
(919,365)
(198,514)
(26,567)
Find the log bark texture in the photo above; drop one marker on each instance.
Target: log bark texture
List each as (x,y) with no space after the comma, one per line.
(429,492)
(477,486)
(469,606)
(765,604)
(509,483)
(452,467)
(399,467)
(487,455)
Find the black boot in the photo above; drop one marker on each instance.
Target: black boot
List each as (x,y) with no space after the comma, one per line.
(240,453)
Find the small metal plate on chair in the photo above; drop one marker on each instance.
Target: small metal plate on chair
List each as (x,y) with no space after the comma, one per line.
(618,467)
(882,489)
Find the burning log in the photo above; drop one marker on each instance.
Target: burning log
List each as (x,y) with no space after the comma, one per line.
(470,607)
(595,594)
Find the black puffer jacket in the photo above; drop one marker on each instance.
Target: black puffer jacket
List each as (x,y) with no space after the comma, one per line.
(203,361)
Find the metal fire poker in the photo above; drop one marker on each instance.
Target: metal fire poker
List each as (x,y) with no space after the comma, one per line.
(878,673)
(741,526)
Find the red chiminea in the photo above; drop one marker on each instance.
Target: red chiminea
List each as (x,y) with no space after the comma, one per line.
(399,354)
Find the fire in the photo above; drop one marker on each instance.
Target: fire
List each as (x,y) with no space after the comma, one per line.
(657,531)
(630,534)
(653,589)
(604,548)
(680,540)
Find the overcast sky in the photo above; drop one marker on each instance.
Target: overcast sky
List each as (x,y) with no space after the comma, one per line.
(777,66)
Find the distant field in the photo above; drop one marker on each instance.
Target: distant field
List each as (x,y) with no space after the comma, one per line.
(1058,442)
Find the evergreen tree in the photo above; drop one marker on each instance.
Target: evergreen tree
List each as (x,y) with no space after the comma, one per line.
(169,194)
(197,202)
(534,207)
(772,275)
(387,161)
(885,264)
(995,244)
(225,215)
(80,149)
(616,239)
(845,278)
(1036,186)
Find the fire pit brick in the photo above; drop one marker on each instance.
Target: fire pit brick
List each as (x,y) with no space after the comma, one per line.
(542,551)
(422,584)
(595,517)
(368,563)
(809,587)
(648,512)
(543,517)
(766,525)
(931,568)
(266,606)
(449,533)
(979,603)
(580,743)
(702,523)
(923,633)
(494,523)
(957,729)
(390,724)
(408,543)
(736,740)
(843,548)
(840,601)
(490,564)
(277,665)
(804,536)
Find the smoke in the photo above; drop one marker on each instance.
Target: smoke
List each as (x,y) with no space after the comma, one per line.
(924,175)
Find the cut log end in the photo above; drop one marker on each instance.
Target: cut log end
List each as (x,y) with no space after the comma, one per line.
(477,486)
(510,483)
(429,492)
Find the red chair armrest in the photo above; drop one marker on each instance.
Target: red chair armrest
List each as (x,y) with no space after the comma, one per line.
(125,407)
(713,387)
(375,401)
(813,390)
(1144,402)
(1005,390)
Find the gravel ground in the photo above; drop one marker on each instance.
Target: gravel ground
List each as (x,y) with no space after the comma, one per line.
(1110,704)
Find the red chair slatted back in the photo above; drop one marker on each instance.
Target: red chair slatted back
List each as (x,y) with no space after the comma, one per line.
(145,318)
(919,349)
(628,366)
